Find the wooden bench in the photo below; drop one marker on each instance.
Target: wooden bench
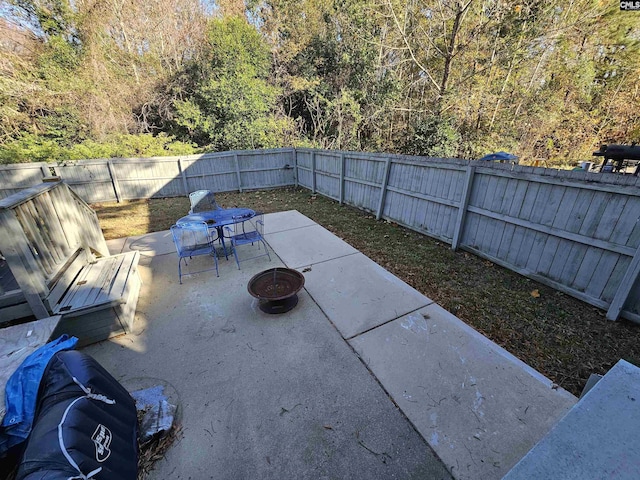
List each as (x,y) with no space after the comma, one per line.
(95,297)
(51,238)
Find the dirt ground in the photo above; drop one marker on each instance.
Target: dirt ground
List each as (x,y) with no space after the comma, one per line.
(558,335)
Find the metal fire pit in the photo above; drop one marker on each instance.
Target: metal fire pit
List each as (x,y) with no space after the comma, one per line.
(276,289)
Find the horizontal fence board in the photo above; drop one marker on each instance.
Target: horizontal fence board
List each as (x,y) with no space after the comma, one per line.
(422,196)
(223,182)
(269,179)
(555,231)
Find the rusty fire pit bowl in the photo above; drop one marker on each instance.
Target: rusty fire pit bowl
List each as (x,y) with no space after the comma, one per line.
(276,289)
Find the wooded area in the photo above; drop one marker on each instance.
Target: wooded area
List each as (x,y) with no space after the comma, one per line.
(548,81)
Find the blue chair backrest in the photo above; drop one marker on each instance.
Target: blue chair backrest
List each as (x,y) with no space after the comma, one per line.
(253,225)
(202,201)
(191,237)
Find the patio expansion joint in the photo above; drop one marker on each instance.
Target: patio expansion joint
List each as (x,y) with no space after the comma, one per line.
(348,339)
(291,229)
(322,261)
(374,377)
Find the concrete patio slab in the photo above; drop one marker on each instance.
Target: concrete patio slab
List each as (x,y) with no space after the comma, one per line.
(597,439)
(286,397)
(357,294)
(307,246)
(261,396)
(157,243)
(479,407)
(289,220)
(116,245)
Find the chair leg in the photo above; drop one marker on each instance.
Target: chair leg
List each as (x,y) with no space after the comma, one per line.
(215,259)
(265,249)
(235,254)
(180,270)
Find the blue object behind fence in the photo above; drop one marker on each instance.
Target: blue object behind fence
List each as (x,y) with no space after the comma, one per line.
(500,157)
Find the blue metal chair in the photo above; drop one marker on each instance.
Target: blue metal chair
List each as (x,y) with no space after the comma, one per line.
(202,201)
(247,231)
(191,240)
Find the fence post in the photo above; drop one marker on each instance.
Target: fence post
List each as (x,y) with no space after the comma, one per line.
(383,192)
(313,172)
(342,166)
(624,288)
(185,184)
(237,162)
(114,181)
(462,209)
(44,169)
(295,167)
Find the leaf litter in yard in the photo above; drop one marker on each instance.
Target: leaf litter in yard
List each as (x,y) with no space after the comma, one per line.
(558,335)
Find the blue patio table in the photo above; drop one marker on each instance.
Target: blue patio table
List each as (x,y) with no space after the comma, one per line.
(218,219)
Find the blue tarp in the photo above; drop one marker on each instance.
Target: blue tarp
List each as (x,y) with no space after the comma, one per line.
(21,392)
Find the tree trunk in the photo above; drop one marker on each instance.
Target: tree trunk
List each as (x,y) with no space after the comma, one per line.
(451,50)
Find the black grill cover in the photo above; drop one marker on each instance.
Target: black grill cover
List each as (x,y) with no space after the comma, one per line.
(98,428)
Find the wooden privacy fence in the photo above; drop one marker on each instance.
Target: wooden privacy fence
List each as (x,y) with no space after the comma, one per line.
(16,177)
(119,179)
(578,232)
(575,231)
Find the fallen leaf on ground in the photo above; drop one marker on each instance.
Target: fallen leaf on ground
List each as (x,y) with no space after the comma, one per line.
(535,293)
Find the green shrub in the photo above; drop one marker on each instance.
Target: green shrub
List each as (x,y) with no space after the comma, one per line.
(433,136)
(33,148)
